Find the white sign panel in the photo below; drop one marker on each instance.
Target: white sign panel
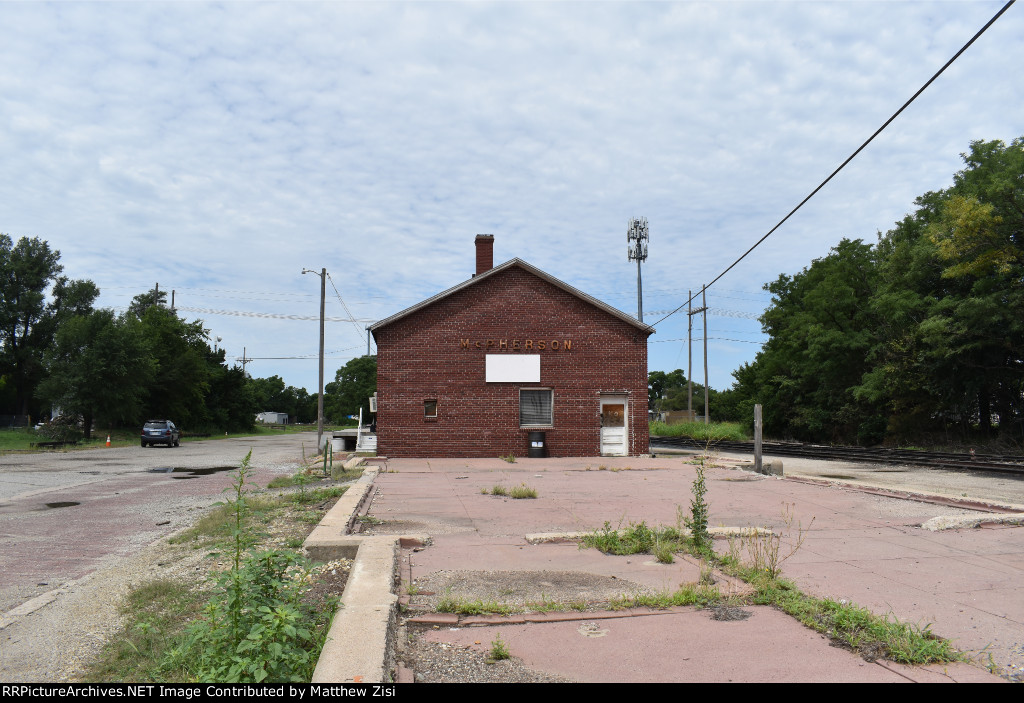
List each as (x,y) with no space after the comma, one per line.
(513,368)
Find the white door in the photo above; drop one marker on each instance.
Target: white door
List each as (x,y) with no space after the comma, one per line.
(613,426)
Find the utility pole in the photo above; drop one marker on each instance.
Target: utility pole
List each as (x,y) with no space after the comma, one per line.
(704,308)
(637,236)
(245,360)
(689,356)
(690,312)
(320,398)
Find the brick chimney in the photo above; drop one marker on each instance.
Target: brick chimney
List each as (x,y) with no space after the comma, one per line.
(484,253)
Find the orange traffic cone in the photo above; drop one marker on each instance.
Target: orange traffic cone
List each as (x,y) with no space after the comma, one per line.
(108,440)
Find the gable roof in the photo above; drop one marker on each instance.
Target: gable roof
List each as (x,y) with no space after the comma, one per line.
(646,329)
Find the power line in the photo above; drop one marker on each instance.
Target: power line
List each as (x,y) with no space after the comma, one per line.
(721,312)
(850,157)
(698,339)
(359,330)
(274,316)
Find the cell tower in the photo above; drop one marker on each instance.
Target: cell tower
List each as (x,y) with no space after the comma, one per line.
(637,236)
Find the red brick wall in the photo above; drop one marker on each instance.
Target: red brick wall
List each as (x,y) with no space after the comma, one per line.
(421,357)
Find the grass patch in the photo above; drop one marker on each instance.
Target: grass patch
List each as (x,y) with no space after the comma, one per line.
(18,439)
(522,491)
(157,613)
(461,606)
(217,526)
(869,635)
(518,492)
(688,594)
(715,431)
(872,636)
(638,538)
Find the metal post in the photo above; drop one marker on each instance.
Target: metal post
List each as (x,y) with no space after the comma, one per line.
(757,438)
(637,236)
(639,294)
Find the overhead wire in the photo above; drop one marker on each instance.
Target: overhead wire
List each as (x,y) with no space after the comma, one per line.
(848,159)
(359,330)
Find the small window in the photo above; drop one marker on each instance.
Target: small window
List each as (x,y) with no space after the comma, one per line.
(535,408)
(430,409)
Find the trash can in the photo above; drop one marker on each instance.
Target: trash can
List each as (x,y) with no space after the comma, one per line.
(538,445)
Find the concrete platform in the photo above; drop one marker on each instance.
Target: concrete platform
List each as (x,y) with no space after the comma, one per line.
(863,547)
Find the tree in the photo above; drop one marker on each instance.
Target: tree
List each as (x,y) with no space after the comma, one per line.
(351,389)
(27,321)
(231,403)
(271,394)
(99,368)
(915,338)
(144,301)
(182,380)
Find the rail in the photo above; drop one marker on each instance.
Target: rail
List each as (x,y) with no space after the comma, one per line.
(1000,463)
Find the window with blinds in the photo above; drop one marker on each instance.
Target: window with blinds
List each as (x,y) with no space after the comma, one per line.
(535,407)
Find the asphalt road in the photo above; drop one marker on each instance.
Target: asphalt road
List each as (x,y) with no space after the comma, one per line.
(66,514)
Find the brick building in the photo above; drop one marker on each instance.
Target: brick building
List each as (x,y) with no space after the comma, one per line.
(474,370)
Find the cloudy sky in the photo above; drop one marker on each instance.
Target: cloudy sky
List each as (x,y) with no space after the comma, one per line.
(219,149)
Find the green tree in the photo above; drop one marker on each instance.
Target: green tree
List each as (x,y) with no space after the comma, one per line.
(182,381)
(821,328)
(918,338)
(144,301)
(230,401)
(351,389)
(28,321)
(952,339)
(100,368)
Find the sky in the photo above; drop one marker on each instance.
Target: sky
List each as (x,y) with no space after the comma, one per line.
(217,150)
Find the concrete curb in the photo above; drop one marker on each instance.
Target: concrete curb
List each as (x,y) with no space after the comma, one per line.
(715,532)
(332,538)
(360,641)
(955,523)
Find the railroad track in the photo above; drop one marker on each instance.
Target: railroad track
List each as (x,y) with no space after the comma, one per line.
(945,460)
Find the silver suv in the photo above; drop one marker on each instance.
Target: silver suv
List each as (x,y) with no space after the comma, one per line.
(161,432)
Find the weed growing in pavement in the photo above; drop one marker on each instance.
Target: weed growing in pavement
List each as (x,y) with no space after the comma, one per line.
(764,547)
(461,606)
(255,626)
(663,552)
(523,491)
(688,594)
(498,651)
(867,634)
(638,538)
(700,538)
(518,492)
(511,458)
